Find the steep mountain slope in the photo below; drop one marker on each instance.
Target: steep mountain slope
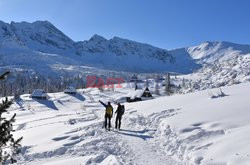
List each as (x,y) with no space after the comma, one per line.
(122,47)
(221,73)
(41,46)
(209,52)
(212,51)
(118,53)
(223,63)
(40,35)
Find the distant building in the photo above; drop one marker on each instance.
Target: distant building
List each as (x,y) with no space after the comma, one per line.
(39,94)
(70,90)
(134,95)
(147,93)
(138,95)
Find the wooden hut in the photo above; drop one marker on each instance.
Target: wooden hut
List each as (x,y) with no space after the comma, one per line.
(39,94)
(70,90)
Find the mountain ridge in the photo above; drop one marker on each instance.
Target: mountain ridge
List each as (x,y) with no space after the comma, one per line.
(41,39)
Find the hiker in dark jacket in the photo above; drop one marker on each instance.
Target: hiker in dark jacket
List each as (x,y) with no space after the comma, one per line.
(120,111)
(108,114)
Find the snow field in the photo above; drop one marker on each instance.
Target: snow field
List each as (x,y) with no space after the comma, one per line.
(179,129)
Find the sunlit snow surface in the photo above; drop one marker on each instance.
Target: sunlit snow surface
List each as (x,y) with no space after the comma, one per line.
(180,129)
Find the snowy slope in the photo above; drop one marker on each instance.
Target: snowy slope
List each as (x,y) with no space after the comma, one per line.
(221,73)
(209,52)
(212,51)
(122,54)
(41,48)
(201,130)
(40,35)
(29,40)
(179,129)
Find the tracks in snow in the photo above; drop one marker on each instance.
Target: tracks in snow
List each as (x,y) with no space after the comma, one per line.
(85,138)
(139,131)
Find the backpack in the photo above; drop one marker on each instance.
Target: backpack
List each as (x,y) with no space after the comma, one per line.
(122,109)
(109,111)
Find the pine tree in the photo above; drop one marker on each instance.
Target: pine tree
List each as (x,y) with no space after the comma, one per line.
(9,147)
(183,83)
(157,90)
(167,84)
(147,83)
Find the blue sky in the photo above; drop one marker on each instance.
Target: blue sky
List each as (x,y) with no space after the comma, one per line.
(163,23)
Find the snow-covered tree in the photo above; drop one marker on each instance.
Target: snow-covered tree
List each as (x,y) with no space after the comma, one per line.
(9,147)
(157,88)
(167,84)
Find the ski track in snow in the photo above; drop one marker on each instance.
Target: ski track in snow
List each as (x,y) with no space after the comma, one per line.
(89,143)
(144,152)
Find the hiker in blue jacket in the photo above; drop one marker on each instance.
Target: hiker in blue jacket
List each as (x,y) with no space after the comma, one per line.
(108,114)
(120,111)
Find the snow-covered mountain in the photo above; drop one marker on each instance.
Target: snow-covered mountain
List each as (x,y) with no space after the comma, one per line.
(212,51)
(40,36)
(221,73)
(41,47)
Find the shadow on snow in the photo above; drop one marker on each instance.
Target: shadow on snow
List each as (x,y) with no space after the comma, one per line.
(48,103)
(78,96)
(138,134)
